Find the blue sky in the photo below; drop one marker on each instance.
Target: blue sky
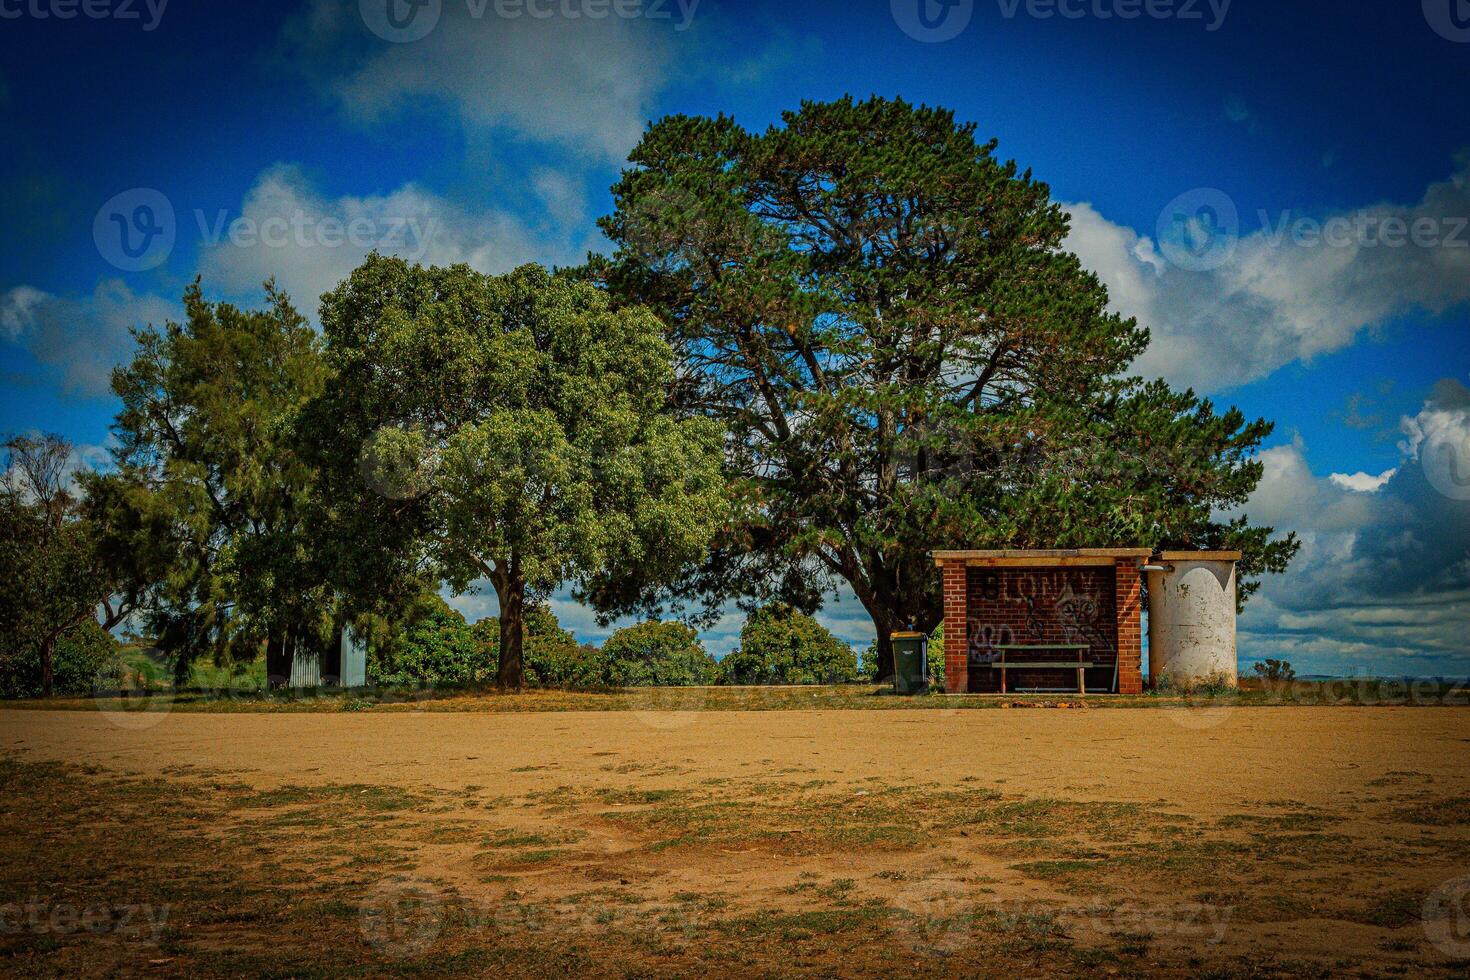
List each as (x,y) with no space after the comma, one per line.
(493,139)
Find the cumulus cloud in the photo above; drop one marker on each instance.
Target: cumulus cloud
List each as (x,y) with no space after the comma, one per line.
(1382,584)
(309,242)
(1300,286)
(81,338)
(1362,482)
(586,84)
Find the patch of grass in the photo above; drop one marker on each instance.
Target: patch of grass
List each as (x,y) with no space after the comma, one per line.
(1452,812)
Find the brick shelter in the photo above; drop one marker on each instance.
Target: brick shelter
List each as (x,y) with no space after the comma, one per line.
(1039,608)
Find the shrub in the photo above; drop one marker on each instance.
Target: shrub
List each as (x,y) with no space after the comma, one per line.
(779,645)
(85,659)
(1276,671)
(552,656)
(436,646)
(655,654)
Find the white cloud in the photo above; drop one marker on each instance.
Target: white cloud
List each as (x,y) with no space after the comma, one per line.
(586,84)
(82,338)
(1362,482)
(309,242)
(1382,583)
(1282,297)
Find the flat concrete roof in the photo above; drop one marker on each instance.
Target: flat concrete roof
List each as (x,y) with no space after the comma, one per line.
(1034,557)
(1021,557)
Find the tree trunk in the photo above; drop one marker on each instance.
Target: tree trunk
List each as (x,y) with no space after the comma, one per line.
(884,674)
(278,661)
(511,590)
(48,651)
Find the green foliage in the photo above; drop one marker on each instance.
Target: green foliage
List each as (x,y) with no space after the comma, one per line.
(781,645)
(882,313)
(209,492)
(553,657)
(657,654)
(86,660)
(51,576)
(1276,671)
(436,646)
(509,428)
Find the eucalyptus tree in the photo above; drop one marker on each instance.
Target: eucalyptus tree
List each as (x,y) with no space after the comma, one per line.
(511,429)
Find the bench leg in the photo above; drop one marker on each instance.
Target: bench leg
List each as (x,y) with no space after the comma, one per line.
(1081,680)
(1002,677)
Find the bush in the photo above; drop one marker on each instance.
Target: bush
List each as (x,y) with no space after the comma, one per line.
(1276,671)
(655,654)
(85,659)
(436,646)
(779,645)
(553,657)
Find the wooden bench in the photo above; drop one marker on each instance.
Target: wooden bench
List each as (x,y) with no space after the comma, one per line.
(1081,663)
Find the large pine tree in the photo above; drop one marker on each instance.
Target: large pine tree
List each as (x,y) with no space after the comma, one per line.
(883,315)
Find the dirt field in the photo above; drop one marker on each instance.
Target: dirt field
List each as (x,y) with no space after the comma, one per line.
(1261,841)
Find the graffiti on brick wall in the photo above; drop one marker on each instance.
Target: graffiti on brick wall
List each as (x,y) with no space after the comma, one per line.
(1018,607)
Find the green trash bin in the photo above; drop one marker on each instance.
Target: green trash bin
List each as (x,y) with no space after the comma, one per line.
(910,663)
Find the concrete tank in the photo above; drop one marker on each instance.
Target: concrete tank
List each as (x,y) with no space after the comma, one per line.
(1191,618)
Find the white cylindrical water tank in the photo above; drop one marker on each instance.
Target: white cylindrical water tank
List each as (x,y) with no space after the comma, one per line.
(1191,618)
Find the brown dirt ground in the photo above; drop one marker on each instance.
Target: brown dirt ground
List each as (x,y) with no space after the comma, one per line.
(1221,841)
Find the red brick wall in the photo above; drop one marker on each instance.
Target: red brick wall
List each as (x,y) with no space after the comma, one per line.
(1129,629)
(956,641)
(1040,605)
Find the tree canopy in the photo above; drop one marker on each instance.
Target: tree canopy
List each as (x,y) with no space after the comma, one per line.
(510,428)
(782,645)
(209,486)
(882,313)
(657,654)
